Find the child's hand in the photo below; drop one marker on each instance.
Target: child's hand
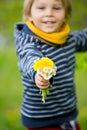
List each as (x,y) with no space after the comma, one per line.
(41,82)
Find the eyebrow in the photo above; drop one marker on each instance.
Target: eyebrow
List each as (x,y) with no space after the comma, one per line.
(57,0)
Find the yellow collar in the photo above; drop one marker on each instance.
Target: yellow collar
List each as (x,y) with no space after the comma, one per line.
(56,38)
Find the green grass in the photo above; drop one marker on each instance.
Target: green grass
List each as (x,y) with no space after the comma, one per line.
(11,91)
(81,89)
(11,12)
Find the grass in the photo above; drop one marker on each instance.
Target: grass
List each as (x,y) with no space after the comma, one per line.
(81,82)
(11,92)
(11,12)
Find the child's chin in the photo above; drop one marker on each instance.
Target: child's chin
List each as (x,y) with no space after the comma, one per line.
(48,31)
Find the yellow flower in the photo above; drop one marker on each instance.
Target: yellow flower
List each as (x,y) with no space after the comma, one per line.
(43,62)
(45,67)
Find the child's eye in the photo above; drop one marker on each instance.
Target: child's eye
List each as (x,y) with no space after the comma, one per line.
(57,8)
(41,8)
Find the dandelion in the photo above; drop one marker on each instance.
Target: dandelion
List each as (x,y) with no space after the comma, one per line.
(46,68)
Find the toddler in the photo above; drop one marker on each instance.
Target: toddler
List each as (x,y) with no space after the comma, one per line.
(46,33)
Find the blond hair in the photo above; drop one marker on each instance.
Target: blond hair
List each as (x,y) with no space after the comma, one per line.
(28,3)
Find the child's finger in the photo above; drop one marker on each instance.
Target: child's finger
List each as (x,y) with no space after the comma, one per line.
(41,82)
(41,79)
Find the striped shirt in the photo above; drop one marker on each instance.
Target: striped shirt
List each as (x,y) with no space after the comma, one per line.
(62,97)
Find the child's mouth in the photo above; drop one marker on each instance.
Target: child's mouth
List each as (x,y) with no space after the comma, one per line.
(49,22)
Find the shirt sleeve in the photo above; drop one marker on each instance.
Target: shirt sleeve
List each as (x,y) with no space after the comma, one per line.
(27,52)
(81,40)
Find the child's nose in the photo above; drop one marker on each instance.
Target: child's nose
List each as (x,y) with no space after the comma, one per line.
(49,12)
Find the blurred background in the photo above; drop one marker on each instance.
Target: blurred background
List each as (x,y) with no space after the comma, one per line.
(10,81)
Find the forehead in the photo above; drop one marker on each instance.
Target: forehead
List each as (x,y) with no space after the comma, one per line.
(48,1)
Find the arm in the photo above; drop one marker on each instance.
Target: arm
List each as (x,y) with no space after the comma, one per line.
(27,52)
(81,40)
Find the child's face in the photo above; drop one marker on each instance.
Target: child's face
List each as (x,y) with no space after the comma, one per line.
(48,15)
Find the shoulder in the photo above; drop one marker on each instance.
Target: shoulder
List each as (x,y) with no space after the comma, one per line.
(23,35)
(22,32)
(79,32)
(22,27)
(19,26)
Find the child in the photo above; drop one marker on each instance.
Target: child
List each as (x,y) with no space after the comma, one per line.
(46,33)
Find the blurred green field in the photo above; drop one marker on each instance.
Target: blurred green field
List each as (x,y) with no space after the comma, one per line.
(11,91)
